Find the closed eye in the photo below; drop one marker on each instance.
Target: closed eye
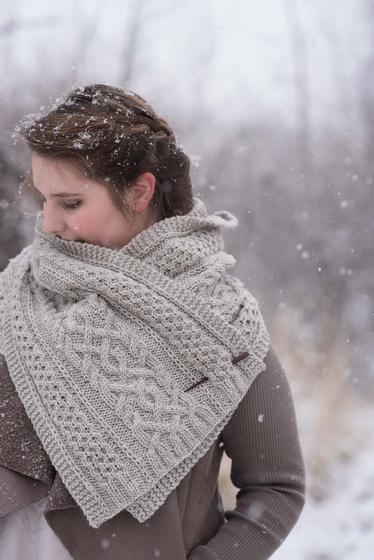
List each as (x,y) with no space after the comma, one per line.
(72,205)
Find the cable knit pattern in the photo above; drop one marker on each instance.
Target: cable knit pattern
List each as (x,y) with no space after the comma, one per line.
(130,362)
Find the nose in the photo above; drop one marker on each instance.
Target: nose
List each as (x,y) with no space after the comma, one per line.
(52,223)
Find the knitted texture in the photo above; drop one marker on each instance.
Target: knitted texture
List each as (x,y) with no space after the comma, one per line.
(130,362)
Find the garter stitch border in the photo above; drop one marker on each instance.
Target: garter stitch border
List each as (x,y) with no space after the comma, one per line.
(129,363)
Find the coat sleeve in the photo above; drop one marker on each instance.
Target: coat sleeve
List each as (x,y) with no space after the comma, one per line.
(262,441)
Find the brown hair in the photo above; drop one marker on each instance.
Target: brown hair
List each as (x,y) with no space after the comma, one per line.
(115,136)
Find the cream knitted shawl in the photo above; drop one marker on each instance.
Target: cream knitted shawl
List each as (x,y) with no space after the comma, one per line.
(130,362)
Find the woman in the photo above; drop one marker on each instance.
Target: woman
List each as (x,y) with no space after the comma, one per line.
(131,358)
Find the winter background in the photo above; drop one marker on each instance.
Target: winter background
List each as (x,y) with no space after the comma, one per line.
(274,103)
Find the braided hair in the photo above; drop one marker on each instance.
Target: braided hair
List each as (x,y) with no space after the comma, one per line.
(114,135)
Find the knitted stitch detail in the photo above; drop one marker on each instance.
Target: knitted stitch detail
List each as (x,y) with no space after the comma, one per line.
(130,362)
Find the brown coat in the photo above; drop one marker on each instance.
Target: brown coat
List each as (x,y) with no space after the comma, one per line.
(267,465)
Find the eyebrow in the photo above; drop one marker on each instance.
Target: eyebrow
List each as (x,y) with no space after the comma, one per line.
(55,195)
(62,194)
(59,195)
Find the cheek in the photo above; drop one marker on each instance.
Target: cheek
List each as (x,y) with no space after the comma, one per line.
(92,221)
(85,222)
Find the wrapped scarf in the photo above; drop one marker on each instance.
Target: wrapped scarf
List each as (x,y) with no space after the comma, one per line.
(130,362)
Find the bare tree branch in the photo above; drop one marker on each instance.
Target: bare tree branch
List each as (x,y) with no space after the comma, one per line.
(133,33)
(16,25)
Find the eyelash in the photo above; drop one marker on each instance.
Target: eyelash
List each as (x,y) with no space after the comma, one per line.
(73,205)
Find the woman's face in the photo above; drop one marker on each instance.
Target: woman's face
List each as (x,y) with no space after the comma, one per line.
(76,208)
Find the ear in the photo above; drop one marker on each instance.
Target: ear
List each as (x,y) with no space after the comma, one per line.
(141,192)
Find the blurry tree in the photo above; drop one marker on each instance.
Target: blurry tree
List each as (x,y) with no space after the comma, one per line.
(299,50)
(12,237)
(132,30)
(367,96)
(11,241)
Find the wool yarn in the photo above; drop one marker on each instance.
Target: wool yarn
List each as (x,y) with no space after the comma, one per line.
(130,362)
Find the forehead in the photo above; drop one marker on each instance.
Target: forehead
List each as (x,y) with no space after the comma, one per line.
(51,174)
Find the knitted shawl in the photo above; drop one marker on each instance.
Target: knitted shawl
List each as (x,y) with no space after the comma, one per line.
(130,362)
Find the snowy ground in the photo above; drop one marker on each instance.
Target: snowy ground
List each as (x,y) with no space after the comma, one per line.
(337,522)
(342,526)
